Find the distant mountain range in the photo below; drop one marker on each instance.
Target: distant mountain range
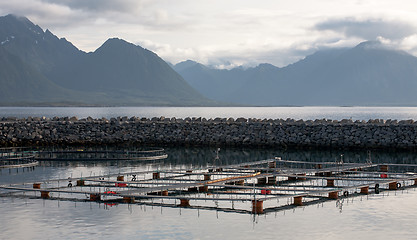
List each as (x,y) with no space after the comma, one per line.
(369,74)
(37,68)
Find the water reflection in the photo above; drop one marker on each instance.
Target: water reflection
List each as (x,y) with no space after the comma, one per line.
(387,217)
(203,156)
(198,157)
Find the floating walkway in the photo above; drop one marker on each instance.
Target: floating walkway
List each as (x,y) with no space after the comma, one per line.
(258,187)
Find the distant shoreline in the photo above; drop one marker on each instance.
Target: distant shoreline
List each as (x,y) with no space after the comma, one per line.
(305,113)
(240,132)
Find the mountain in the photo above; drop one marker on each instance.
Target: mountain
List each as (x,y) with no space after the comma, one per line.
(221,84)
(369,74)
(121,70)
(21,84)
(43,50)
(39,68)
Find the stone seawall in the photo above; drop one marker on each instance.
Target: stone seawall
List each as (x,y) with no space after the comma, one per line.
(289,133)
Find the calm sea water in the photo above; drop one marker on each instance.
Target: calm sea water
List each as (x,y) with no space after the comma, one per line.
(383,216)
(306,113)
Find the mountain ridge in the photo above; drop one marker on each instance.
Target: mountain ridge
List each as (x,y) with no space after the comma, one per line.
(369,74)
(118,73)
(37,67)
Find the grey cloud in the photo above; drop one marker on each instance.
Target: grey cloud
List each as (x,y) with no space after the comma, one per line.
(69,13)
(47,15)
(100,5)
(368,29)
(142,13)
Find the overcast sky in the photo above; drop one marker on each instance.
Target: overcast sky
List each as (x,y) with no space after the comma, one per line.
(223,32)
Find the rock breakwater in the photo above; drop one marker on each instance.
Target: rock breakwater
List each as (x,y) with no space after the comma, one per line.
(279,133)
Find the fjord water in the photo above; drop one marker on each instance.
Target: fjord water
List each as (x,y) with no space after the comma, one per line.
(383,216)
(390,215)
(305,113)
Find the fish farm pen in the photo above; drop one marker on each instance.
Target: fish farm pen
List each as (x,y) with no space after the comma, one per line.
(258,187)
(101,155)
(16,158)
(23,157)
